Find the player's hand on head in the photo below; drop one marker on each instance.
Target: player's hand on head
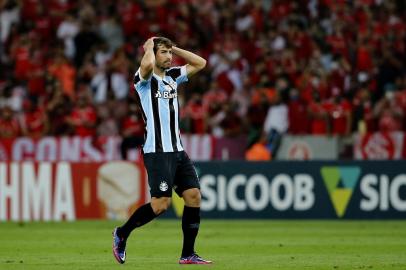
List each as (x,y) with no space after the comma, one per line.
(149,44)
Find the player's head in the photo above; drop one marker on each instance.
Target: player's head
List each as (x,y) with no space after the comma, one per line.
(163,52)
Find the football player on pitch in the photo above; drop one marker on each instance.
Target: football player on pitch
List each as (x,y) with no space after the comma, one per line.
(168,166)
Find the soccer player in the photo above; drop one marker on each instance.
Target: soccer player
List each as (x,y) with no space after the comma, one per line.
(167,164)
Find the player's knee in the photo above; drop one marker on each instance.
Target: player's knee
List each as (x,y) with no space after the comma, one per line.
(192,197)
(160,205)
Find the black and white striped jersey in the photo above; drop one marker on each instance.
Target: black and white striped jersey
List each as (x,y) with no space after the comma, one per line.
(160,109)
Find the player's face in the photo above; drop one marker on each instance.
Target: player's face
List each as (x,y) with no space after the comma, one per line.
(163,57)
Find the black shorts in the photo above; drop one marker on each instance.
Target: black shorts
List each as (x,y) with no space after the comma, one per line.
(170,170)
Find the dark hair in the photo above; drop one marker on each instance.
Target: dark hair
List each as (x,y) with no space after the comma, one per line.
(162,41)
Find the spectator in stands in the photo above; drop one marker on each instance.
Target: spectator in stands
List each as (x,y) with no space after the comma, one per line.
(12,95)
(106,123)
(259,151)
(389,113)
(61,69)
(318,115)
(213,97)
(84,41)
(36,76)
(20,49)
(227,123)
(340,114)
(276,124)
(58,108)
(194,117)
(67,31)
(110,30)
(256,115)
(101,58)
(111,82)
(34,120)
(400,97)
(109,85)
(42,24)
(132,130)
(317,46)
(10,127)
(298,118)
(390,67)
(363,118)
(9,15)
(83,117)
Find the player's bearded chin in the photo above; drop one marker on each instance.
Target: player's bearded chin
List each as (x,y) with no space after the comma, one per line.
(164,66)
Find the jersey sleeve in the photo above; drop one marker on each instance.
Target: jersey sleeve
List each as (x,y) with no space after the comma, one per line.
(140,82)
(178,74)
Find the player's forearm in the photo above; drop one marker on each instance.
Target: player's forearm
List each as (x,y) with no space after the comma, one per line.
(191,58)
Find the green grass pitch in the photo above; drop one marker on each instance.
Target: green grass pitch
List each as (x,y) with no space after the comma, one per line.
(233,244)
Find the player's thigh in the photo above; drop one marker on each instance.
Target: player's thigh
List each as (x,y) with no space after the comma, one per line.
(161,169)
(185,176)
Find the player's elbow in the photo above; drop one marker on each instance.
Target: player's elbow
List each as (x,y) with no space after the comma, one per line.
(199,65)
(202,64)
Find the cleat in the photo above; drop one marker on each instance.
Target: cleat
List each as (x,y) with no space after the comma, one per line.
(119,247)
(193,259)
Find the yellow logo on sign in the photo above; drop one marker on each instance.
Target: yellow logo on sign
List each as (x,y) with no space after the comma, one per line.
(340,183)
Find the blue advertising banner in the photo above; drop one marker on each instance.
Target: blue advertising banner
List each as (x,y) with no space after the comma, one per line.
(308,190)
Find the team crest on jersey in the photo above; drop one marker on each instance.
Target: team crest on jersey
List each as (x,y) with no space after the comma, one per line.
(170,86)
(163,186)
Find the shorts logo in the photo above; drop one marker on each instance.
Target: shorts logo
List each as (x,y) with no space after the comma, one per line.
(163,186)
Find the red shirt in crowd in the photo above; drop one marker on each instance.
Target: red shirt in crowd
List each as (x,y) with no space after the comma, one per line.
(9,129)
(57,8)
(43,27)
(22,62)
(130,14)
(36,77)
(84,121)
(35,123)
(66,74)
(339,115)
(318,118)
(29,9)
(196,112)
(132,126)
(364,59)
(338,45)
(280,10)
(298,119)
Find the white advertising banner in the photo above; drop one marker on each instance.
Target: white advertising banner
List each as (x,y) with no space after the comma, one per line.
(89,149)
(308,148)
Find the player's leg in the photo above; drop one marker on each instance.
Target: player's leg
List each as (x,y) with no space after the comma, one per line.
(188,187)
(160,169)
(140,217)
(190,220)
(144,214)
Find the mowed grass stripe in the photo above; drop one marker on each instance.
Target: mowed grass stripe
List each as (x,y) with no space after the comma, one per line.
(232,244)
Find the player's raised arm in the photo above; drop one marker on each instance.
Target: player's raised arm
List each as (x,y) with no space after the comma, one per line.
(148,60)
(195,63)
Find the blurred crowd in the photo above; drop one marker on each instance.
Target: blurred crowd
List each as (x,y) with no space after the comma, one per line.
(329,67)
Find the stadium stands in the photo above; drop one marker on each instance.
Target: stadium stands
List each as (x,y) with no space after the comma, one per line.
(328,67)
